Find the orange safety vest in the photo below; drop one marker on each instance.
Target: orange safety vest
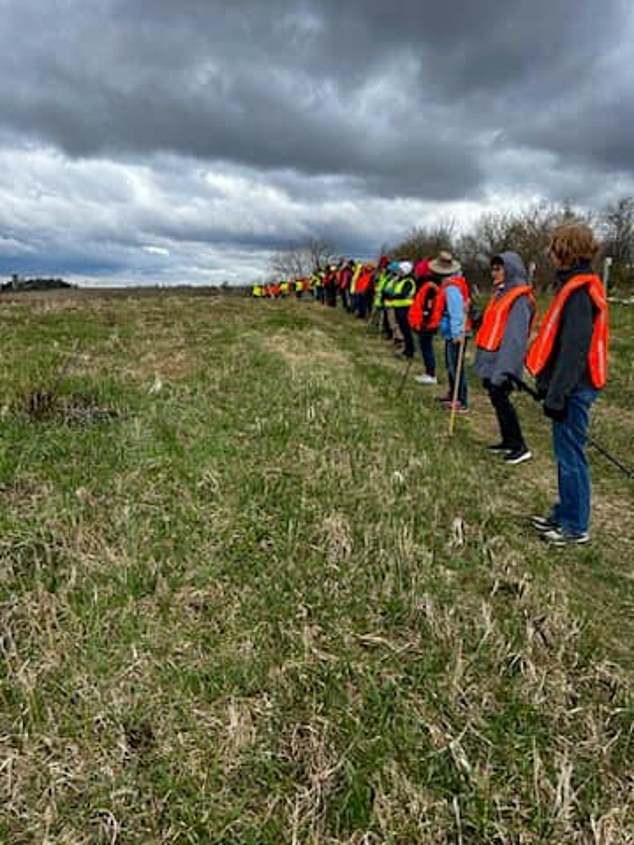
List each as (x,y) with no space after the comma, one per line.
(363,282)
(496,316)
(416,314)
(541,349)
(441,297)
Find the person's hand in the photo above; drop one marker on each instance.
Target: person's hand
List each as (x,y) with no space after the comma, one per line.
(557,414)
(504,385)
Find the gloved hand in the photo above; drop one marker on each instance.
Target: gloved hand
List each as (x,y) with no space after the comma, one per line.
(505,385)
(557,414)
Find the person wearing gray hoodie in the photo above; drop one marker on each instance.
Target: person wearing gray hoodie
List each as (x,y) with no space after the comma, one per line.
(501,345)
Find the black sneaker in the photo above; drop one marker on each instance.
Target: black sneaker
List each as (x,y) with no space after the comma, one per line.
(518,456)
(559,537)
(499,448)
(543,524)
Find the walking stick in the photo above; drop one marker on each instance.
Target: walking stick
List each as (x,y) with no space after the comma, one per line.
(522,386)
(404,377)
(454,399)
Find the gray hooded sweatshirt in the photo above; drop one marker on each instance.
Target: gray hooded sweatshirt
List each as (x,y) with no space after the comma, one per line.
(509,358)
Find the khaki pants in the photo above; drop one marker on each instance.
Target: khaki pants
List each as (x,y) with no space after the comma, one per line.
(391,321)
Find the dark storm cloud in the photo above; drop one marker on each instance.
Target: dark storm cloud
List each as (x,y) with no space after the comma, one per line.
(393,93)
(167,136)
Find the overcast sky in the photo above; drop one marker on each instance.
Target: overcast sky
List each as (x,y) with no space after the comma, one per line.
(168,141)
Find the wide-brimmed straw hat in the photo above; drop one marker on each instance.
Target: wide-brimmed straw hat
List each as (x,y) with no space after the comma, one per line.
(445,264)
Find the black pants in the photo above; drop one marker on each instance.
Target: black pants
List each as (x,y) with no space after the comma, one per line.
(362,303)
(427,351)
(507,416)
(331,296)
(403,324)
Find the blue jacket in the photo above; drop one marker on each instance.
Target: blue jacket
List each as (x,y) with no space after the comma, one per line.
(452,322)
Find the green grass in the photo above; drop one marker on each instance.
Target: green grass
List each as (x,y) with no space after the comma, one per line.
(247,596)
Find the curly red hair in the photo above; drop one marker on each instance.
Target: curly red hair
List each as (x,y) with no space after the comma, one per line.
(573,243)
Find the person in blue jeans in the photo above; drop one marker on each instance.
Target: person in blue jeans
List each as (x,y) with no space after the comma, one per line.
(568,359)
(571,514)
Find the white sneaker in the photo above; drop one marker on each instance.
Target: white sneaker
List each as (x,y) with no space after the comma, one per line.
(425,379)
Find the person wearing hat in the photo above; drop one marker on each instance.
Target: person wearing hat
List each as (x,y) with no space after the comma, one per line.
(452,313)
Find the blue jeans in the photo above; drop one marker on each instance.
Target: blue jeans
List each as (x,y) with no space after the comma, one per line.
(572,511)
(452,353)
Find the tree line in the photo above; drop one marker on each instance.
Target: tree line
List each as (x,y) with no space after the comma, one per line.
(525,230)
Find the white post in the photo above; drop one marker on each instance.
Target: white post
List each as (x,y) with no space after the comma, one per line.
(607,266)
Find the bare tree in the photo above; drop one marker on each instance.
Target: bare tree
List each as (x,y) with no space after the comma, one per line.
(618,239)
(301,260)
(526,231)
(423,242)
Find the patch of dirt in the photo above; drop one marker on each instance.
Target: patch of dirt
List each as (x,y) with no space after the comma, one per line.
(76,410)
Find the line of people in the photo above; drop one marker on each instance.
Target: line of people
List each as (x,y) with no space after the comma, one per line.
(412,303)
(281,289)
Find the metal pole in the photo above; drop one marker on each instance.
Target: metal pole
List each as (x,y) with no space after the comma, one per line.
(607,267)
(521,385)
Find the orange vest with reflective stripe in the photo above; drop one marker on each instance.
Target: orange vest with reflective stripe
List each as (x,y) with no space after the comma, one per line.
(439,305)
(496,316)
(542,347)
(416,314)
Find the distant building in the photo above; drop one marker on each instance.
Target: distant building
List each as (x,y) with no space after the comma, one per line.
(17,283)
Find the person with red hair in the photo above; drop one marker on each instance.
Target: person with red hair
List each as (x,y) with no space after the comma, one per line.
(569,361)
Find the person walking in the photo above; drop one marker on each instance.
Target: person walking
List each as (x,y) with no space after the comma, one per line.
(569,361)
(501,344)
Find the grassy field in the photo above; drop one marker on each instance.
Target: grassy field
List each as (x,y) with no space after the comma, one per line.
(247,596)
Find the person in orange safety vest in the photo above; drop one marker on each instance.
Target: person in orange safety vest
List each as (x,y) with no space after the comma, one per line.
(424,318)
(501,344)
(451,314)
(569,361)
